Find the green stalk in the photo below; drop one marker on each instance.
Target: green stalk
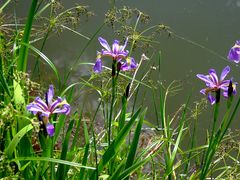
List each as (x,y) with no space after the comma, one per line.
(114,83)
(23,53)
(4,5)
(208,155)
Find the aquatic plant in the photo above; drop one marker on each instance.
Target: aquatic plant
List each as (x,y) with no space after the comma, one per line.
(215,84)
(44,110)
(117,53)
(114,140)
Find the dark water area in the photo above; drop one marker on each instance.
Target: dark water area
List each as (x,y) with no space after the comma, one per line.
(205,31)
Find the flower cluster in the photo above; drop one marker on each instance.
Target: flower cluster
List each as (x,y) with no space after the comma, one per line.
(117,53)
(214,84)
(44,109)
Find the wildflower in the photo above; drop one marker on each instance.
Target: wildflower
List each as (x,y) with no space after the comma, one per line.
(215,85)
(117,52)
(234,52)
(45,109)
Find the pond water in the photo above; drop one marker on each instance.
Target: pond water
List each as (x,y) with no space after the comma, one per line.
(205,30)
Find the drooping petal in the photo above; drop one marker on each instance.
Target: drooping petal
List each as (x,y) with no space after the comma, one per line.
(234,52)
(55,104)
(225,94)
(49,95)
(211,99)
(36,108)
(108,53)
(41,103)
(65,109)
(129,64)
(123,54)
(98,66)
(203,91)
(224,73)
(104,43)
(205,78)
(50,129)
(224,85)
(60,106)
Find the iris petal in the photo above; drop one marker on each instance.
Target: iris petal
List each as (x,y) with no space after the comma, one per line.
(50,95)
(98,66)
(234,52)
(65,109)
(50,129)
(224,73)
(115,47)
(213,75)
(211,99)
(104,43)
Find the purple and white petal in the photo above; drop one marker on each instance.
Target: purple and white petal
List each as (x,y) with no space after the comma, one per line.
(205,78)
(55,104)
(234,52)
(213,76)
(211,99)
(65,109)
(104,43)
(224,73)
(203,91)
(35,108)
(115,47)
(124,46)
(41,103)
(133,64)
(50,95)
(98,66)
(108,53)
(123,54)
(50,129)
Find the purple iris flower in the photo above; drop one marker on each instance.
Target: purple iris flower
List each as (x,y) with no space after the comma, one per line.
(214,84)
(44,109)
(117,52)
(234,52)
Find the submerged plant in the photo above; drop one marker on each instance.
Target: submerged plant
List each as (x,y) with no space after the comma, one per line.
(117,53)
(234,52)
(214,84)
(44,110)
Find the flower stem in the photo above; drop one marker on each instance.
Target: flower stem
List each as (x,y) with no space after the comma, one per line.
(114,82)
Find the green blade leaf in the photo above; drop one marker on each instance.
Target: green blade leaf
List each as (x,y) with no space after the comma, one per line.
(117,142)
(16,139)
(134,145)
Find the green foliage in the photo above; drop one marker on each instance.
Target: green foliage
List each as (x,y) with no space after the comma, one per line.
(116,141)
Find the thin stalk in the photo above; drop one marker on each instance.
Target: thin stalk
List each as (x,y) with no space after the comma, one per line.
(114,82)
(134,30)
(94,141)
(4,5)
(208,154)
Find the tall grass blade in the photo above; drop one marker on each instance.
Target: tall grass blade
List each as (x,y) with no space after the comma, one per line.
(16,139)
(117,142)
(47,159)
(61,168)
(23,53)
(46,59)
(134,145)
(86,151)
